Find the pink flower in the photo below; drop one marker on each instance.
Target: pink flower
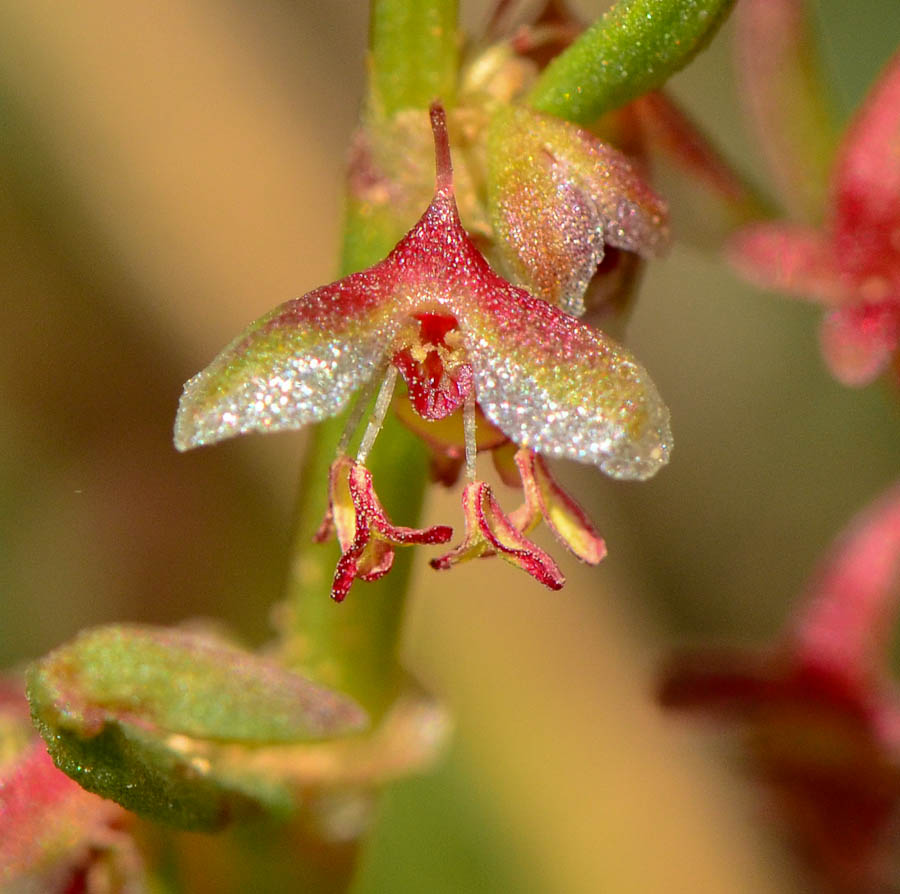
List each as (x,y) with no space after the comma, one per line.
(820,714)
(463,339)
(851,263)
(54,836)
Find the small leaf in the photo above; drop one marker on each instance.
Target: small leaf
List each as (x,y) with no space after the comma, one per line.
(186,683)
(634,48)
(137,714)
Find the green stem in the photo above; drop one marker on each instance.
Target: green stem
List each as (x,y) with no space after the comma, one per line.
(415,53)
(634,48)
(354,646)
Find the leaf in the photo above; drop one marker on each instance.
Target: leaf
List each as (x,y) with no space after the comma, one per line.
(184,682)
(634,48)
(136,714)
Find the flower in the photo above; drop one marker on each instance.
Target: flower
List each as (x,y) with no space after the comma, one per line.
(557,196)
(821,715)
(850,264)
(54,835)
(554,209)
(462,338)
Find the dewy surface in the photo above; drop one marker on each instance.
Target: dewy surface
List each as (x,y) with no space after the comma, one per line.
(548,381)
(556,196)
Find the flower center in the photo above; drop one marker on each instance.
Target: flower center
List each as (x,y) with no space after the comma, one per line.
(435,366)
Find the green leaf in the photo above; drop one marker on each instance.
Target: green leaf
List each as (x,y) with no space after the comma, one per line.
(635,47)
(141,715)
(184,682)
(148,775)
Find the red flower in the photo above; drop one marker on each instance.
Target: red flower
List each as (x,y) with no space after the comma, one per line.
(463,339)
(820,713)
(54,836)
(851,263)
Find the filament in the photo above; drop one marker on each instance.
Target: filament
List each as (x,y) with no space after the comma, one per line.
(378,414)
(469,430)
(356,414)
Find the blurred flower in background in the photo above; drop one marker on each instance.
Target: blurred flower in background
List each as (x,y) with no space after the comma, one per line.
(820,712)
(844,251)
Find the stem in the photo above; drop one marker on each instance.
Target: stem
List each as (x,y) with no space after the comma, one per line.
(415,53)
(354,646)
(635,47)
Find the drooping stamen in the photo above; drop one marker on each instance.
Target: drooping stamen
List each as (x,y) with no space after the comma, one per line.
(469,431)
(378,414)
(443,167)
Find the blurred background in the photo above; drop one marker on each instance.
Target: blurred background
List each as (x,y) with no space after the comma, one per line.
(171,170)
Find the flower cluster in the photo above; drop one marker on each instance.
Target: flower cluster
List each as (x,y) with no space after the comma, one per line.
(520,371)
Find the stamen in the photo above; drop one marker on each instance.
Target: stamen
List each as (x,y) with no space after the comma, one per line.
(356,415)
(469,424)
(378,414)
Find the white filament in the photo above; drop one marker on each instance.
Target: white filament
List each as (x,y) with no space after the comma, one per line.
(378,413)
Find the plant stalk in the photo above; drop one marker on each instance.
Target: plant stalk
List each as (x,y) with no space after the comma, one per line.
(354,646)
